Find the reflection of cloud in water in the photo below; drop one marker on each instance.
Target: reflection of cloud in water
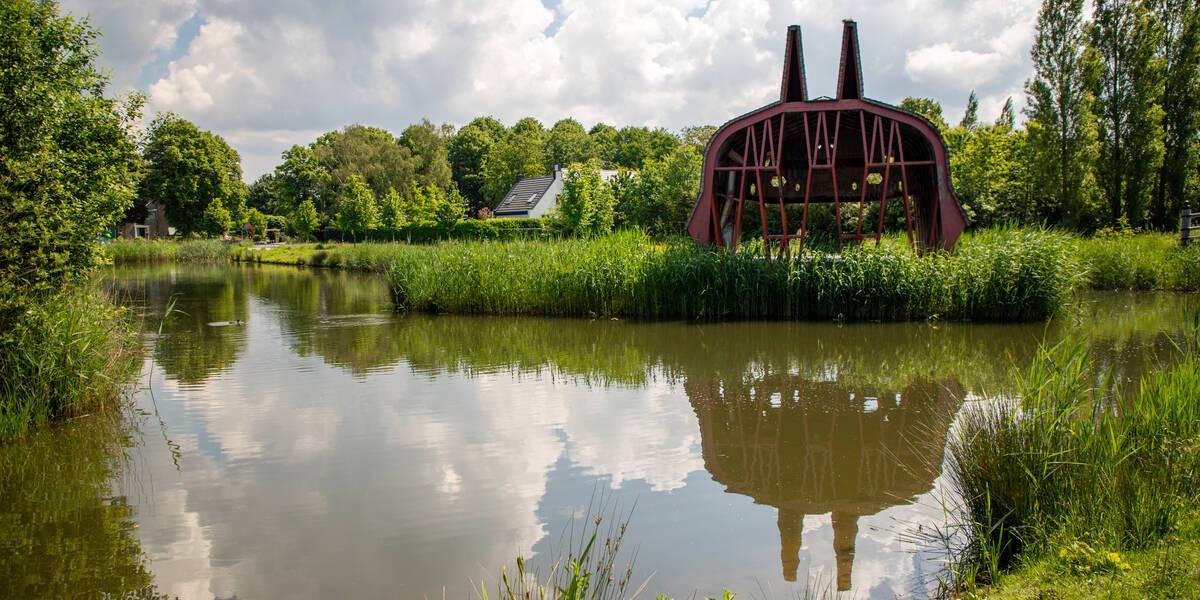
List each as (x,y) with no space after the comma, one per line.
(646,434)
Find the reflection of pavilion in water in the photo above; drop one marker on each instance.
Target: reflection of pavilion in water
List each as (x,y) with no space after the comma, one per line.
(810,448)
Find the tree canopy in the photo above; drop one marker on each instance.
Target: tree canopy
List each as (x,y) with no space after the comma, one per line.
(67,154)
(186,169)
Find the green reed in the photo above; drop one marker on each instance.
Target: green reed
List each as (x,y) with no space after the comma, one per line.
(1147,261)
(73,353)
(166,250)
(1072,459)
(1009,275)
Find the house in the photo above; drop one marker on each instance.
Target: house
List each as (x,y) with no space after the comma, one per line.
(156,225)
(533,197)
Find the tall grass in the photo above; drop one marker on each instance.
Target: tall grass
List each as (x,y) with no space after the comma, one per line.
(1068,461)
(1007,275)
(74,353)
(1148,261)
(166,250)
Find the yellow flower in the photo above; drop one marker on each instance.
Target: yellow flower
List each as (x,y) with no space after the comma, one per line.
(1114,557)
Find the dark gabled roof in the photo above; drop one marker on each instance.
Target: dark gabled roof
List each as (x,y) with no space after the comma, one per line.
(524,195)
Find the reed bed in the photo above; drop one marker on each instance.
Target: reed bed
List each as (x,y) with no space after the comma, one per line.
(1074,470)
(1148,261)
(1008,275)
(74,353)
(127,251)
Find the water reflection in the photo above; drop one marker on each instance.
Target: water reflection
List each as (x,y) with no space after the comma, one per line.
(329,444)
(814,447)
(64,533)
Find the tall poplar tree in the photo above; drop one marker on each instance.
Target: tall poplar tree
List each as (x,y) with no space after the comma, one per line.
(1061,126)
(970,118)
(1124,36)
(1180,51)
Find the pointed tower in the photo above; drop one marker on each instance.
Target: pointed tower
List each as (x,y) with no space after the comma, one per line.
(795,83)
(850,71)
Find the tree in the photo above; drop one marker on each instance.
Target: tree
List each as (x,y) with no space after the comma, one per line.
(585,205)
(523,152)
(697,136)
(928,108)
(636,145)
(605,144)
(215,222)
(305,219)
(990,172)
(466,151)
(262,194)
(1062,128)
(1127,91)
(186,169)
(970,120)
(568,143)
(67,155)
(371,153)
(300,178)
(427,145)
(1180,52)
(666,192)
(1007,118)
(257,222)
(357,212)
(391,210)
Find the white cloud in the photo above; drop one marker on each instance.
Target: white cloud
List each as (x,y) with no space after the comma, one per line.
(257,70)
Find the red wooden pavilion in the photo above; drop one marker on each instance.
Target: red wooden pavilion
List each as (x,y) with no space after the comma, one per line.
(844,150)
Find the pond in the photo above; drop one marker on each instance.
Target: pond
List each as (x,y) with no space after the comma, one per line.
(294,437)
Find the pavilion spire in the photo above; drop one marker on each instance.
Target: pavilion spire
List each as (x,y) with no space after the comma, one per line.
(795,84)
(850,72)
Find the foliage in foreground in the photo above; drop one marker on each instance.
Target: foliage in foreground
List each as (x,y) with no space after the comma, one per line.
(1071,473)
(67,156)
(74,353)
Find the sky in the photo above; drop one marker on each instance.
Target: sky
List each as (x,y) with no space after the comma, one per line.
(269,74)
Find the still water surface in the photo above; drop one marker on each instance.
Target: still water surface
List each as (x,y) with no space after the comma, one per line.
(298,439)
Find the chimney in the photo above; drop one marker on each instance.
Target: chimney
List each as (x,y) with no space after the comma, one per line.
(520,177)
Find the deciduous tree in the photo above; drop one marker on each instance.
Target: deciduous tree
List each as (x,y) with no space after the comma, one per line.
(186,169)
(357,212)
(67,156)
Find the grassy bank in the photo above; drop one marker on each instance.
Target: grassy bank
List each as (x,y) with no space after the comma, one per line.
(1078,491)
(73,353)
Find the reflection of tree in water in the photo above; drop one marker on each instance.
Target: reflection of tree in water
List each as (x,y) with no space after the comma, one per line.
(814,447)
(190,349)
(63,534)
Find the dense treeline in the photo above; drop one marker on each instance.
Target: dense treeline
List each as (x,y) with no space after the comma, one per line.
(1110,138)
(1109,141)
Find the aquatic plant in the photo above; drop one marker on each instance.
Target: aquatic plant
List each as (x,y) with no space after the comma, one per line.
(1068,458)
(72,354)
